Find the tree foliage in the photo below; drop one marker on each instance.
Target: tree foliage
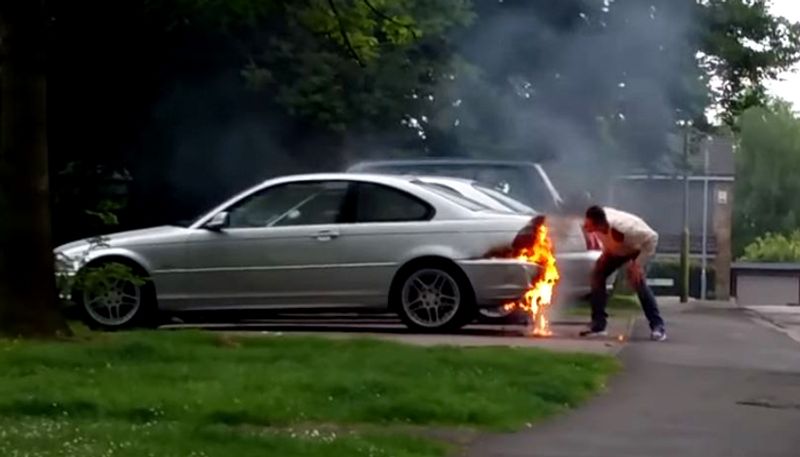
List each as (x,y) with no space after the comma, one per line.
(774,247)
(338,64)
(497,77)
(767,166)
(743,46)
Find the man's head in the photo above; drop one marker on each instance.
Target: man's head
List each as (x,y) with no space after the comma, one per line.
(595,220)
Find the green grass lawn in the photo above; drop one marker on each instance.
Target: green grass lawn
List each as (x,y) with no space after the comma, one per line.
(202,394)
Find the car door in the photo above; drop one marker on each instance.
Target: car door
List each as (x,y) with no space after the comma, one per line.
(277,249)
(385,225)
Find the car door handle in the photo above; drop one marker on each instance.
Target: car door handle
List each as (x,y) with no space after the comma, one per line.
(326,235)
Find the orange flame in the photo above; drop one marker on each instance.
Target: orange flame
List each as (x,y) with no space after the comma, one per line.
(538,298)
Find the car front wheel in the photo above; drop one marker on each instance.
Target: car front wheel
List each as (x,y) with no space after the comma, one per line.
(435,298)
(118,304)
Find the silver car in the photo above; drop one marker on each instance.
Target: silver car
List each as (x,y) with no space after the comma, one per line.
(316,241)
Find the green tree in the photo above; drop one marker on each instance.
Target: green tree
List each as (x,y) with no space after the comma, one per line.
(743,45)
(342,65)
(27,281)
(767,166)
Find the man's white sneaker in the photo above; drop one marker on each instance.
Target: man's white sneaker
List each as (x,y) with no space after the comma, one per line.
(658,334)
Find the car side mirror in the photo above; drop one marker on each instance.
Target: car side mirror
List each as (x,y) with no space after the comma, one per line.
(218,222)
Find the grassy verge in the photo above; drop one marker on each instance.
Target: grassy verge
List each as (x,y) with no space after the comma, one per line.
(619,305)
(201,394)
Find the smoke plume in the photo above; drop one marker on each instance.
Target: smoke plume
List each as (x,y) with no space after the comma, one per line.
(590,88)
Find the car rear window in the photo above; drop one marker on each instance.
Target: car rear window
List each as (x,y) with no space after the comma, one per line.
(504,199)
(377,203)
(522,184)
(453,196)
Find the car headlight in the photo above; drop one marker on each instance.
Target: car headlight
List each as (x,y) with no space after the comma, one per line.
(66,265)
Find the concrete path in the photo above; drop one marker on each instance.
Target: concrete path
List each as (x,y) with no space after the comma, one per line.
(724,385)
(564,339)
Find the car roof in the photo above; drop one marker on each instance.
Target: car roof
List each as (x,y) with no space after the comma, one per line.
(443,161)
(401,182)
(443,179)
(344,176)
(390,178)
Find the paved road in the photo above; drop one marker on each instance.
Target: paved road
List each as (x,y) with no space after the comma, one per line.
(724,385)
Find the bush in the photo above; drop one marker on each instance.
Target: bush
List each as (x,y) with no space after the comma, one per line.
(774,247)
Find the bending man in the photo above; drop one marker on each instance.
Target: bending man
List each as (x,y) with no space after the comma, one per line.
(627,240)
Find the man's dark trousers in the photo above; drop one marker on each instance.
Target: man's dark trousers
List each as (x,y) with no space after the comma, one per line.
(607,264)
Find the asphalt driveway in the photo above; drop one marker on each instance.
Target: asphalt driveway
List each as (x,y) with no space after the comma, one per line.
(724,385)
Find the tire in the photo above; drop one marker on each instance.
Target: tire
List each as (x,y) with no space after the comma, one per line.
(433,296)
(124,305)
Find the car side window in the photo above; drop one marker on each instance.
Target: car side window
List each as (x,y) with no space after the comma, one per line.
(377,203)
(300,203)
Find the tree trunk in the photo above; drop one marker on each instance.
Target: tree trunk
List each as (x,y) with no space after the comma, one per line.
(28,306)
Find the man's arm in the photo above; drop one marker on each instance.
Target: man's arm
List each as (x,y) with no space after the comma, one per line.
(647,248)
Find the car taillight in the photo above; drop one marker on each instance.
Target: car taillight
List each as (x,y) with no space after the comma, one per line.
(524,238)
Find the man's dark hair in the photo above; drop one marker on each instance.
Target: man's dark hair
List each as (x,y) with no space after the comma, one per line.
(596,214)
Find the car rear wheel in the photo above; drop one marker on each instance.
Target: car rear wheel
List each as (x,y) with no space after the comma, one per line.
(502,315)
(435,298)
(115,304)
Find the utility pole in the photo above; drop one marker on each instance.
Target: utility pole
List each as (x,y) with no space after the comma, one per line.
(704,267)
(684,277)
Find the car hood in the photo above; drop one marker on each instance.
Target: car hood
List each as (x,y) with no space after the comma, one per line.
(129,238)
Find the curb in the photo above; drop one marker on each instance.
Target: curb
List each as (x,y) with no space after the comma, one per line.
(629,330)
(764,317)
(767,321)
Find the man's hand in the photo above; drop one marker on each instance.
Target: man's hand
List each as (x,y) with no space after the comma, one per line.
(635,273)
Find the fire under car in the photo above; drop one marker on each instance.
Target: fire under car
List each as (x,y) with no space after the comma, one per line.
(321,242)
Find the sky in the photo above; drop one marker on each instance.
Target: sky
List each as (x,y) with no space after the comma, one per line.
(789,86)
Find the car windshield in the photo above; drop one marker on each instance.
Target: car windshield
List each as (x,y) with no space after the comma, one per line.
(454,196)
(503,199)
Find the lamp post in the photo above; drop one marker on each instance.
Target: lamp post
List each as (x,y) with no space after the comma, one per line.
(684,265)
